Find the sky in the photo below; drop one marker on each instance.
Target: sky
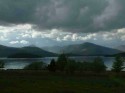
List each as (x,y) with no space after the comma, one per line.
(62,22)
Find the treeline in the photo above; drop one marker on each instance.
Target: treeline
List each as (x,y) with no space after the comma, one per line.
(67,65)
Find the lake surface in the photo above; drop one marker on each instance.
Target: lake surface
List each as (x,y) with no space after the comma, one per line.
(16,63)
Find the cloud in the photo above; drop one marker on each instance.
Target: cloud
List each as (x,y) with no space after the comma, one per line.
(21,35)
(109,13)
(72,16)
(2,38)
(14,42)
(24,42)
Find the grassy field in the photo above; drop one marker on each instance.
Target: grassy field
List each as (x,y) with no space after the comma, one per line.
(45,82)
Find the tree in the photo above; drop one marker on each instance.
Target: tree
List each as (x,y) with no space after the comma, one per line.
(61,62)
(1,64)
(87,66)
(118,64)
(35,66)
(98,65)
(52,66)
(71,66)
(84,66)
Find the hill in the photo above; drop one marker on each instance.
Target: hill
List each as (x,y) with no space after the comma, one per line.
(8,51)
(86,49)
(121,48)
(24,55)
(37,51)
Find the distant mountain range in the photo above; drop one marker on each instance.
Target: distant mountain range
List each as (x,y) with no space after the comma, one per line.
(121,48)
(29,50)
(84,49)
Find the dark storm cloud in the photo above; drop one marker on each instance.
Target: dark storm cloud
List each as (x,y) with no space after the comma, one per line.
(70,15)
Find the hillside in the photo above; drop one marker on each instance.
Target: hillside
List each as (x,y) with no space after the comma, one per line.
(89,49)
(54,49)
(122,47)
(85,49)
(24,55)
(8,51)
(37,51)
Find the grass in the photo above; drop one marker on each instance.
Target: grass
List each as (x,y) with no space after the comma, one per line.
(45,82)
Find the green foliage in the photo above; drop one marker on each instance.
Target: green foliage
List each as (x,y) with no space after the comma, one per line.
(71,66)
(80,66)
(61,62)
(52,66)
(87,66)
(118,64)
(1,64)
(84,66)
(35,66)
(98,65)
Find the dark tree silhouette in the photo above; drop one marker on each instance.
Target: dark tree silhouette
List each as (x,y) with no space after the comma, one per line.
(118,64)
(71,66)
(87,66)
(61,62)
(35,66)
(52,66)
(98,65)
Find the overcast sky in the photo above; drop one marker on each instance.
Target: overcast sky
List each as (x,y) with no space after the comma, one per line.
(62,22)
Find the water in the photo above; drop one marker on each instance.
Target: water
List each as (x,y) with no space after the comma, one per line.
(16,63)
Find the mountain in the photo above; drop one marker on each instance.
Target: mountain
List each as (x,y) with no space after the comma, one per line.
(8,51)
(37,51)
(54,49)
(85,49)
(89,49)
(24,55)
(121,48)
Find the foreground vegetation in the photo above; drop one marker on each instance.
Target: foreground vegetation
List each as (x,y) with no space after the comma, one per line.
(64,76)
(23,81)
(64,64)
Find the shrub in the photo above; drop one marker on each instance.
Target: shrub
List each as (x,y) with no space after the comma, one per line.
(35,66)
(84,66)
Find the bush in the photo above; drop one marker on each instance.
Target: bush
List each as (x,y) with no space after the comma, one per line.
(35,66)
